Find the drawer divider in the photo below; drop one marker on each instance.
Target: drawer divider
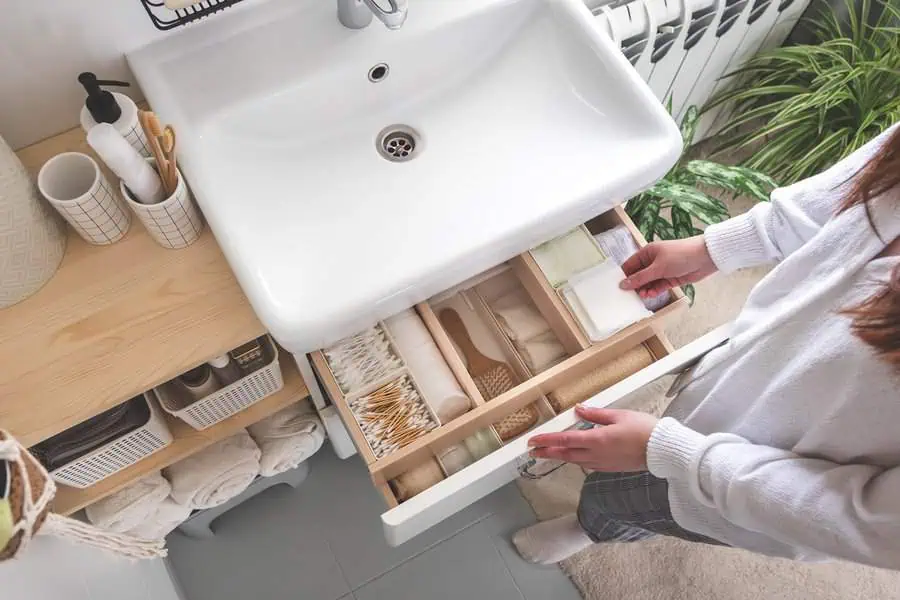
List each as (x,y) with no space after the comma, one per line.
(549,304)
(448,350)
(523,394)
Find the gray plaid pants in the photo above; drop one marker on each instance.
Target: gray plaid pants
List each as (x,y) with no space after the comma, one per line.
(627,507)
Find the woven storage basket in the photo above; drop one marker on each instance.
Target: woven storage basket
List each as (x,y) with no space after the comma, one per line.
(229,400)
(118,454)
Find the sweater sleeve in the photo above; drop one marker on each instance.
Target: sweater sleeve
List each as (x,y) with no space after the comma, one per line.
(771,231)
(848,511)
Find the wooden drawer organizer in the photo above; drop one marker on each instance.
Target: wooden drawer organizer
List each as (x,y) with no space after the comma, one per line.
(583,357)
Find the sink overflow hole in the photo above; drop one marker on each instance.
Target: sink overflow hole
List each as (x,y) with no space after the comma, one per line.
(379,72)
(398,143)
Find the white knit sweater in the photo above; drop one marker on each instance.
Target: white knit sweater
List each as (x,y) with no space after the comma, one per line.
(787,441)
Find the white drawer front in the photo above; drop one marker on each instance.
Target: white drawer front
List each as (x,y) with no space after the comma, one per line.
(479,479)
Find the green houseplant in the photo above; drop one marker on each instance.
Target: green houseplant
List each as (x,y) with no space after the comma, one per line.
(667,210)
(802,108)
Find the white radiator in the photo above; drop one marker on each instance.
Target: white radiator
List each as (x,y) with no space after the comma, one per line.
(683,47)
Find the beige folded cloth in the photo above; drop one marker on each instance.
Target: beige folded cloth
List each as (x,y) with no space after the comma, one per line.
(542,352)
(216,474)
(566,255)
(417,480)
(169,515)
(287,438)
(519,318)
(130,506)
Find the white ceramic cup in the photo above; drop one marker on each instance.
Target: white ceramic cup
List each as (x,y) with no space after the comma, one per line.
(173,223)
(75,186)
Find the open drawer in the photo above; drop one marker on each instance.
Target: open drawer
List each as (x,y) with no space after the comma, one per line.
(513,386)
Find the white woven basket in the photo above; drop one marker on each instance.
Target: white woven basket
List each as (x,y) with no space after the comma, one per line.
(118,454)
(229,400)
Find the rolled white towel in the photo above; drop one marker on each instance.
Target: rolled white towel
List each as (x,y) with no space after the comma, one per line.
(287,438)
(216,474)
(130,506)
(436,381)
(169,515)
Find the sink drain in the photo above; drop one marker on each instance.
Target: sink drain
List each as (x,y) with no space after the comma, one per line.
(398,143)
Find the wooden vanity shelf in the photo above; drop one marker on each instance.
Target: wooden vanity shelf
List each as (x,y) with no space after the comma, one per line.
(113,322)
(187,441)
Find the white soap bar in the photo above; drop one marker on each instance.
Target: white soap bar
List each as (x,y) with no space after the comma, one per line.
(607,307)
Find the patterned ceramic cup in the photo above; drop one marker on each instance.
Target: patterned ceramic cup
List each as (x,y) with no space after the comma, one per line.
(173,223)
(75,186)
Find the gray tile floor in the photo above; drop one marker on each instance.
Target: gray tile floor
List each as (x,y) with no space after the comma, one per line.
(323,541)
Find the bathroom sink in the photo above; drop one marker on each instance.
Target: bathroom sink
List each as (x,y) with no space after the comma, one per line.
(350,174)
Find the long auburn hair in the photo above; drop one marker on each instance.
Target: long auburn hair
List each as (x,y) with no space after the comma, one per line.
(877,320)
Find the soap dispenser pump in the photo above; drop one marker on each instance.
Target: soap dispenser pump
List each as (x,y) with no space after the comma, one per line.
(103,106)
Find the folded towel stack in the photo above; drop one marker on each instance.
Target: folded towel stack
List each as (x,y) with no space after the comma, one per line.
(168,515)
(529,332)
(215,474)
(287,438)
(130,507)
(153,506)
(143,509)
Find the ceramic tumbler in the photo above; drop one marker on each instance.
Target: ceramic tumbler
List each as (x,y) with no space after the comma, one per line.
(75,186)
(173,223)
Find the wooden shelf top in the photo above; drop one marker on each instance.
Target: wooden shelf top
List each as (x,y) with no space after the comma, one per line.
(187,441)
(113,322)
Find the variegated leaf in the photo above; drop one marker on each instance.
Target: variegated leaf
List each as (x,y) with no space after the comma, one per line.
(739,180)
(681,223)
(689,125)
(665,230)
(648,217)
(693,201)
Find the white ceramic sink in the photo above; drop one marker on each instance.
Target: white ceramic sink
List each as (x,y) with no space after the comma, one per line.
(530,120)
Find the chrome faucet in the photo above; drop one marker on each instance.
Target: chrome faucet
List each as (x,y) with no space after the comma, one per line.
(357,14)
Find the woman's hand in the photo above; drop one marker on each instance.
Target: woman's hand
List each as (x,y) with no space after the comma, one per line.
(619,446)
(660,266)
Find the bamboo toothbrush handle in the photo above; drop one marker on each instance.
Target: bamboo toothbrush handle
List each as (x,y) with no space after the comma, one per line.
(453,323)
(169,151)
(144,117)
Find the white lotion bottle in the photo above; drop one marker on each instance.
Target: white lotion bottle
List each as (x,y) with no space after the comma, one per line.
(127,163)
(120,111)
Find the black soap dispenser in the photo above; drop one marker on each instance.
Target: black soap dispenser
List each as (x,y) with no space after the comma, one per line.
(103,106)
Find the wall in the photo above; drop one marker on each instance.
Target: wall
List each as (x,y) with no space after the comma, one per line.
(52,569)
(44,44)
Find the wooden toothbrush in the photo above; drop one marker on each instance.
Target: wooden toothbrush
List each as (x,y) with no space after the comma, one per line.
(151,127)
(167,141)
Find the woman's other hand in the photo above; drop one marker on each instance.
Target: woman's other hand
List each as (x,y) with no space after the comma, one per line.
(660,266)
(619,446)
